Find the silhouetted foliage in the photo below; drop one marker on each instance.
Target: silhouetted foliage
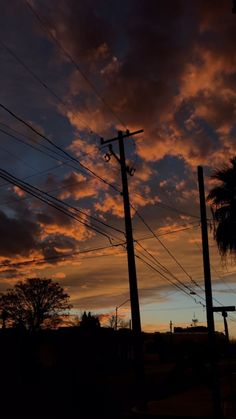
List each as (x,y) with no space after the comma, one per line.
(89,321)
(117,322)
(223,200)
(34,304)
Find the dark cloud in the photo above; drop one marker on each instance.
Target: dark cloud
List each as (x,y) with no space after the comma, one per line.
(53,217)
(145,73)
(85,23)
(56,244)
(19,237)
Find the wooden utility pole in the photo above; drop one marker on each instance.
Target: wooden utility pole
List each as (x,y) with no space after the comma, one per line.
(225,315)
(134,299)
(224,311)
(208,293)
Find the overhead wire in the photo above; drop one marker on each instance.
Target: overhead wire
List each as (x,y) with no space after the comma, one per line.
(68,155)
(64,203)
(54,206)
(27,137)
(5,150)
(88,171)
(73,61)
(168,272)
(179,230)
(57,257)
(44,85)
(38,149)
(198,285)
(173,257)
(57,155)
(50,200)
(101,98)
(72,207)
(169,207)
(168,279)
(59,148)
(164,246)
(161,266)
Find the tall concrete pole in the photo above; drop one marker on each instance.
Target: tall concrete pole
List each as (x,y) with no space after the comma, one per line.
(209,304)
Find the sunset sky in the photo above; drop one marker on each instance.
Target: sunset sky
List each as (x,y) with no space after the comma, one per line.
(80,70)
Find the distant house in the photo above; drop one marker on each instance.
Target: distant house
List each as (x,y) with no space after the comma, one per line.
(192,329)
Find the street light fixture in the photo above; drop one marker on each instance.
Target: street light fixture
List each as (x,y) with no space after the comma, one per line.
(124,302)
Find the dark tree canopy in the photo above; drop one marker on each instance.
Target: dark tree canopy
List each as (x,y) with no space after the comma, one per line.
(89,321)
(34,304)
(223,204)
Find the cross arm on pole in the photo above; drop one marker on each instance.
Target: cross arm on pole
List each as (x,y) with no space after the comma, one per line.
(124,135)
(223,309)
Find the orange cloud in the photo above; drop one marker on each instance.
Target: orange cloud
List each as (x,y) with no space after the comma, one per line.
(19,192)
(77,186)
(111,204)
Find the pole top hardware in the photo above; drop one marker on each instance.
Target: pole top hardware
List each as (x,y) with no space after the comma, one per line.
(223,309)
(121,134)
(107,157)
(130,170)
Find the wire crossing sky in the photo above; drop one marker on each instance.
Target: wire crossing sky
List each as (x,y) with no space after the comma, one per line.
(70,75)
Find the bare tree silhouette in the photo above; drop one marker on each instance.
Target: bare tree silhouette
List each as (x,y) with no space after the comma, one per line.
(34,304)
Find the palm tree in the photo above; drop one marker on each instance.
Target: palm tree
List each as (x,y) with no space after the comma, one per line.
(223,205)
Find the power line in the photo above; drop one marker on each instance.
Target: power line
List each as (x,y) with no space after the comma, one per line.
(217,273)
(68,155)
(174,231)
(196,283)
(222,278)
(171,208)
(16,157)
(48,200)
(56,257)
(42,83)
(35,148)
(65,162)
(173,257)
(164,246)
(31,139)
(96,219)
(169,308)
(165,277)
(39,173)
(90,172)
(153,258)
(66,204)
(20,140)
(167,271)
(72,60)
(76,209)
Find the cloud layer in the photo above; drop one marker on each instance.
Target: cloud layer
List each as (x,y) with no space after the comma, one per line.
(166,67)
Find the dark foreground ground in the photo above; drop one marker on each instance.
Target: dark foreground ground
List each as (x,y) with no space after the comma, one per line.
(40,381)
(112,393)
